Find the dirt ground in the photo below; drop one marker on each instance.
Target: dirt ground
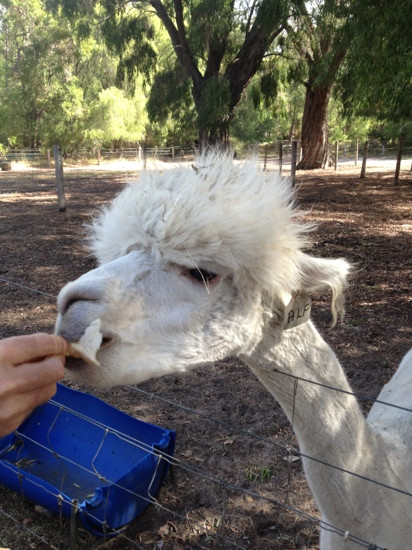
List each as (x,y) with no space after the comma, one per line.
(367,221)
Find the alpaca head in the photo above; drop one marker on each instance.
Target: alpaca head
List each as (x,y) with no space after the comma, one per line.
(192,262)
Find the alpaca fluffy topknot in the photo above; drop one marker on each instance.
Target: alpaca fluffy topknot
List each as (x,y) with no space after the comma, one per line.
(219,214)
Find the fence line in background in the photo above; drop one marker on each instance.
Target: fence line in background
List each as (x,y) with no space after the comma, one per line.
(177,462)
(279,153)
(281,156)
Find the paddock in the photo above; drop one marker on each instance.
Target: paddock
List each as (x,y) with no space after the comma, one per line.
(238,484)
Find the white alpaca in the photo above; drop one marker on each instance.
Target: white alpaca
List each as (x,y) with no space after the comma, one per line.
(197,265)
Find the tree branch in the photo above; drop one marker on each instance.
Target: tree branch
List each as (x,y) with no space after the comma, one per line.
(249,19)
(178,37)
(250,56)
(180,21)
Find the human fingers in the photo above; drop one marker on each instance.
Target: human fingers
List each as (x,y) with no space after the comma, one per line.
(21,349)
(32,376)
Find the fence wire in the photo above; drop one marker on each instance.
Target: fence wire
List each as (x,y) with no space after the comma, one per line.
(176,462)
(172,461)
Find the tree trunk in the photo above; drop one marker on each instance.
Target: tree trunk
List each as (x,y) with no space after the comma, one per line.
(266,26)
(213,126)
(315,139)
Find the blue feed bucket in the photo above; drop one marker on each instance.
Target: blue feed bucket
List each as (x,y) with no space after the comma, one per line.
(77,453)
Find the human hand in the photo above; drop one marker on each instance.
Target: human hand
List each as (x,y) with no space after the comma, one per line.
(30,366)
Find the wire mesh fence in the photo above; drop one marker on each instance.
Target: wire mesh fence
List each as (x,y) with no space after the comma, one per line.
(68,532)
(197,471)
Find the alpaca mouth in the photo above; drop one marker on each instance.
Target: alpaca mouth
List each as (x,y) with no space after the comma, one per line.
(79,363)
(106,340)
(76,363)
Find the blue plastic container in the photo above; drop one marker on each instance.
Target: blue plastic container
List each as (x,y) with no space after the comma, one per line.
(77,453)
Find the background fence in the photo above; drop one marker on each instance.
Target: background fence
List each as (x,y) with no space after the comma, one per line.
(271,155)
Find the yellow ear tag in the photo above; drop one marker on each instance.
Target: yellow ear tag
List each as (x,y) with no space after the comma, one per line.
(297,311)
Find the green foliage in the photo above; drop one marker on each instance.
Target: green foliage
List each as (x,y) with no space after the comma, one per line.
(377,76)
(34,75)
(343,127)
(269,86)
(130,37)
(256,473)
(213,107)
(210,22)
(115,118)
(251,125)
(270,11)
(57,89)
(218,44)
(390,131)
(169,95)
(79,73)
(61,122)
(260,120)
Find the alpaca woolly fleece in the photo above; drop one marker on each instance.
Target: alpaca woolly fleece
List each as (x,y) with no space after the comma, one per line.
(158,317)
(221,215)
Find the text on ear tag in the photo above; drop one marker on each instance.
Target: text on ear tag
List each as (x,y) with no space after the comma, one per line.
(297,311)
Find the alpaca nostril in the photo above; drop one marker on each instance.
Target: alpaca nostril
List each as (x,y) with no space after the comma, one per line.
(74,292)
(73,300)
(69,303)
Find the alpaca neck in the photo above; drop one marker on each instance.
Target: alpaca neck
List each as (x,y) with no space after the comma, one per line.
(328,424)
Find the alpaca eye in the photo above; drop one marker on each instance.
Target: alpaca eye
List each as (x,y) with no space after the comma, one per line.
(202,275)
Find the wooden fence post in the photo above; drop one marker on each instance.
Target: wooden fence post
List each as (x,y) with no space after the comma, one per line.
(357,152)
(293,161)
(58,166)
(336,155)
(48,158)
(280,156)
(265,158)
(365,155)
(399,158)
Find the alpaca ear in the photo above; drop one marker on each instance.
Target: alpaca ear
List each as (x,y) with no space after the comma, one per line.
(320,273)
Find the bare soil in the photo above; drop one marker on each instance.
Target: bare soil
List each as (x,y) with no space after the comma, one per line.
(367,221)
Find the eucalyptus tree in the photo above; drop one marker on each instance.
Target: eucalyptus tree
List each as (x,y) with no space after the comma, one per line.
(56,88)
(32,47)
(218,46)
(316,45)
(376,78)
